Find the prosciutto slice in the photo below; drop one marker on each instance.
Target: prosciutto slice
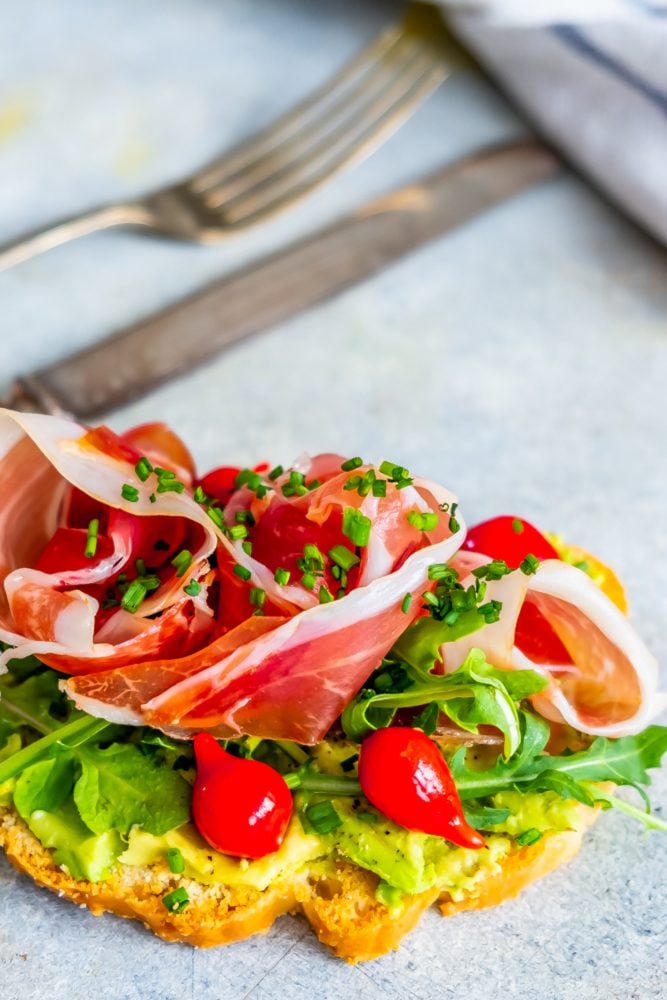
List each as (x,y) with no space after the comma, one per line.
(48,614)
(292,681)
(607,685)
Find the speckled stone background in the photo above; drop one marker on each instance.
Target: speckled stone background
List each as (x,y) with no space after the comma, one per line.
(522,360)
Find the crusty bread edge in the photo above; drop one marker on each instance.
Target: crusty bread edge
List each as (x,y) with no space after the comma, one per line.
(338,900)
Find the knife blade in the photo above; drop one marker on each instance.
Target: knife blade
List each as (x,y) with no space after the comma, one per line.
(269,291)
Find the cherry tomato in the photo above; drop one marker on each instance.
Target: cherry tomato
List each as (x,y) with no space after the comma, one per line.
(241,807)
(284,530)
(403,774)
(66,551)
(509,538)
(220,483)
(512,539)
(537,639)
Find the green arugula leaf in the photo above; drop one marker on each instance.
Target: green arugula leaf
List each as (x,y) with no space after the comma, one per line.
(120,788)
(483,817)
(45,785)
(646,818)
(36,702)
(561,783)
(420,644)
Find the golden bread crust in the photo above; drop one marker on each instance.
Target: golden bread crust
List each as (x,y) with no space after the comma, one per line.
(337,900)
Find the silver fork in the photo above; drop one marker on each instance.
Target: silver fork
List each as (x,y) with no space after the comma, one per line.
(340,123)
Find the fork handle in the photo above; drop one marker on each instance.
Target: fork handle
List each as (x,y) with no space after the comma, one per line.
(71,228)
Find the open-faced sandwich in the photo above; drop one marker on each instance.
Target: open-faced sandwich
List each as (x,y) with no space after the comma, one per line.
(307,689)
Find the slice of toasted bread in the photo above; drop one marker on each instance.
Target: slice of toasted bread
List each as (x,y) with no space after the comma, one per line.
(338,899)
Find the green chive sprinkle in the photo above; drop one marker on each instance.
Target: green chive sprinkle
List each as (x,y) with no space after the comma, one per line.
(182,561)
(528,837)
(257,596)
(325,595)
(134,596)
(308,580)
(192,588)
(177,900)
(215,515)
(152,498)
(356,526)
(529,565)
(175,861)
(276,472)
(164,473)
(379,488)
(281,576)
(323,817)
(343,557)
(199,495)
(517,526)
(406,603)
(423,522)
(130,493)
(170,486)
(238,531)
(453,525)
(352,463)
(242,572)
(247,547)
(312,553)
(91,540)
(143,469)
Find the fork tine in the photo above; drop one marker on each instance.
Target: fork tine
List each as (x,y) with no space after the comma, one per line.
(394,63)
(350,143)
(297,116)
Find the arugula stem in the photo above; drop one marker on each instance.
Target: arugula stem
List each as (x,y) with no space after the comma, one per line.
(70,735)
(323,784)
(649,820)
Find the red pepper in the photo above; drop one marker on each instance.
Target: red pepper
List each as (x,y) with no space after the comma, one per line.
(403,774)
(241,807)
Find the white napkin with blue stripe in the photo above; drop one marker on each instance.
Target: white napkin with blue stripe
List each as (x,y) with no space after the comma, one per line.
(592,74)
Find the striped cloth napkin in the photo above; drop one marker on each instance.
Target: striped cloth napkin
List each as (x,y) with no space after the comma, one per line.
(592,74)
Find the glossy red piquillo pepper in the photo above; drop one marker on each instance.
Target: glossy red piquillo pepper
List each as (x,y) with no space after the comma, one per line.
(403,774)
(241,807)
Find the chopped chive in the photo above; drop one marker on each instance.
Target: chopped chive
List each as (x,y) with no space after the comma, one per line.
(297,478)
(323,817)
(244,517)
(91,540)
(281,576)
(367,817)
(494,570)
(152,498)
(164,473)
(356,526)
(134,596)
(325,595)
(238,531)
(182,562)
(199,495)
(391,470)
(352,463)
(406,603)
(130,493)
(313,485)
(430,598)
(170,486)
(438,571)
(453,525)
(379,488)
(177,900)
(242,572)
(143,469)
(517,526)
(216,516)
(311,551)
(192,588)
(275,472)
(528,837)
(257,596)
(343,557)
(175,861)
(336,572)
(247,547)
(308,580)
(423,522)
(529,565)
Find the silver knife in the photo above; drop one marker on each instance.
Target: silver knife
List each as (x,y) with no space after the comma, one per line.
(175,340)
